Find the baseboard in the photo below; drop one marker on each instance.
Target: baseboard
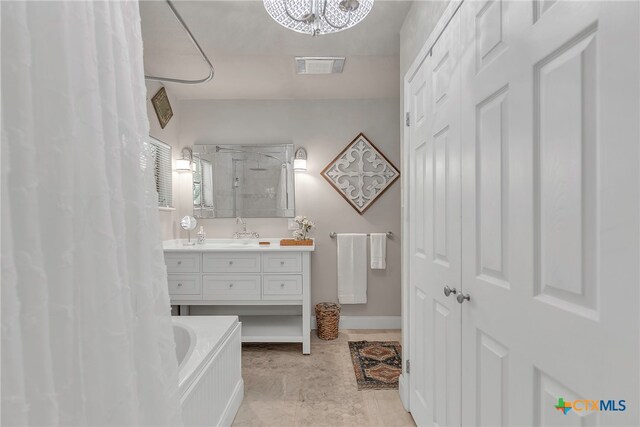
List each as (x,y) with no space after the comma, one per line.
(234,404)
(366,322)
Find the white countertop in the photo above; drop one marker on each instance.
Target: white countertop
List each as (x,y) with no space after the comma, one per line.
(233,245)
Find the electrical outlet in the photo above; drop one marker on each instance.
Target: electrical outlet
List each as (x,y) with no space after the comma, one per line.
(292,224)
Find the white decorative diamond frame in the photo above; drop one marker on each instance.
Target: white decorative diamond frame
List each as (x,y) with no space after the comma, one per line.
(361,173)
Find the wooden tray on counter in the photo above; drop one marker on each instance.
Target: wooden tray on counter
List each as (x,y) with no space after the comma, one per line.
(294,242)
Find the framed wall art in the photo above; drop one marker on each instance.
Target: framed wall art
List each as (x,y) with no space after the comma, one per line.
(162,106)
(361,173)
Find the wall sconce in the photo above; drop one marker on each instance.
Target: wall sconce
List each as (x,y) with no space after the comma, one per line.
(184,164)
(300,160)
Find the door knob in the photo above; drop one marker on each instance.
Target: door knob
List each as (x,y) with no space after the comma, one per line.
(448,291)
(461,297)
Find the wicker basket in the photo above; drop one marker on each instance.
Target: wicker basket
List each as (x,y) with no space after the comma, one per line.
(328,319)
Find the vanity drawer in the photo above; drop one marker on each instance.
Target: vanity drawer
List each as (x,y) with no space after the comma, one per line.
(282,263)
(231,287)
(182,263)
(282,287)
(231,263)
(184,284)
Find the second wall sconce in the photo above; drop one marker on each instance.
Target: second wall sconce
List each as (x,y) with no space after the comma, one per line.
(184,164)
(300,160)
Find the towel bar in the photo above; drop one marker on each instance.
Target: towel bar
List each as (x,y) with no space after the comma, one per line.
(389,234)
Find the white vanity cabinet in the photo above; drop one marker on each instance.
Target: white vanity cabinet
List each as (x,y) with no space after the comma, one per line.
(247,277)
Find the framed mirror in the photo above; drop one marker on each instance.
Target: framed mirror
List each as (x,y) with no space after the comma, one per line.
(249,181)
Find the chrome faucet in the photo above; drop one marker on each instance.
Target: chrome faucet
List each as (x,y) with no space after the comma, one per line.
(244,234)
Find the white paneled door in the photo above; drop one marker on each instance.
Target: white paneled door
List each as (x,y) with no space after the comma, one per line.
(434,168)
(524,196)
(421,389)
(550,211)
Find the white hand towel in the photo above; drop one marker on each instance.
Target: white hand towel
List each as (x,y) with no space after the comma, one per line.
(352,268)
(378,251)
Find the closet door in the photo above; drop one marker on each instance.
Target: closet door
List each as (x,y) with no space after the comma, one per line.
(549,211)
(434,206)
(421,394)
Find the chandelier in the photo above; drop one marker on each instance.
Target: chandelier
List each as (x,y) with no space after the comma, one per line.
(318,17)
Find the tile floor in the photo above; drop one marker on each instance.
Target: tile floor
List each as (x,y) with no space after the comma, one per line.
(284,388)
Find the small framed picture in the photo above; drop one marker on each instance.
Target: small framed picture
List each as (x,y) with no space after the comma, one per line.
(162,106)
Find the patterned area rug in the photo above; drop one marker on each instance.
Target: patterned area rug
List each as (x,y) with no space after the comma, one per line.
(377,364)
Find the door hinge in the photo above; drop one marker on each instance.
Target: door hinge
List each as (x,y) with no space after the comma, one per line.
(408,119)
(408,368)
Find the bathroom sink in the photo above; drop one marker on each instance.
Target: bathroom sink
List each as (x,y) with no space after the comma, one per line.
(212,244)
(230,243)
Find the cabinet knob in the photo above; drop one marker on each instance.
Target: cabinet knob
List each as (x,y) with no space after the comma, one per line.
(231,285)
(179,262)
(281,262)
(282,285)
(230,262)
(179,284)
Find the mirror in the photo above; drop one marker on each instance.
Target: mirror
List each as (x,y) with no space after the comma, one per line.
(249,181)
(188,223)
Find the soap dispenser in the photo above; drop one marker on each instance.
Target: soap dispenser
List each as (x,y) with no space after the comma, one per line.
(202,236)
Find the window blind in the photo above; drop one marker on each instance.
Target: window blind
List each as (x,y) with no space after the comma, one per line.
(161,161)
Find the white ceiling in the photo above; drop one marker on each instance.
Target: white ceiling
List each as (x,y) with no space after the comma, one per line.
(253,55)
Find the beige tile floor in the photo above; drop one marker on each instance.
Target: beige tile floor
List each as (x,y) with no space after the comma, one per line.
(285,388)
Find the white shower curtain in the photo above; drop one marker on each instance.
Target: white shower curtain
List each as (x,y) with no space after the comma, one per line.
(86,330)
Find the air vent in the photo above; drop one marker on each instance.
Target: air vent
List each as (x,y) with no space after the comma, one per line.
(319,65)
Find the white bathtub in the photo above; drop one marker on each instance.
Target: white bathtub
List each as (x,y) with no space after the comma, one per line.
(208,349)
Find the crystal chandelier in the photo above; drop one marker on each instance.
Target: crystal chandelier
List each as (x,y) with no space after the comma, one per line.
(318,17)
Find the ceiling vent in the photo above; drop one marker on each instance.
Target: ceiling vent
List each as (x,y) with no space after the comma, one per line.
(319,65)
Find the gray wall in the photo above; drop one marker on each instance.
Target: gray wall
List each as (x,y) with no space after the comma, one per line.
(323,127)
(169,135)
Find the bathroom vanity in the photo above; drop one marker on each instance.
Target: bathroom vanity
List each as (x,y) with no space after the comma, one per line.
(269,286)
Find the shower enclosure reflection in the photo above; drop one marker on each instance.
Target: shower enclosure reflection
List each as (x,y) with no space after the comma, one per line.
(250,181)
